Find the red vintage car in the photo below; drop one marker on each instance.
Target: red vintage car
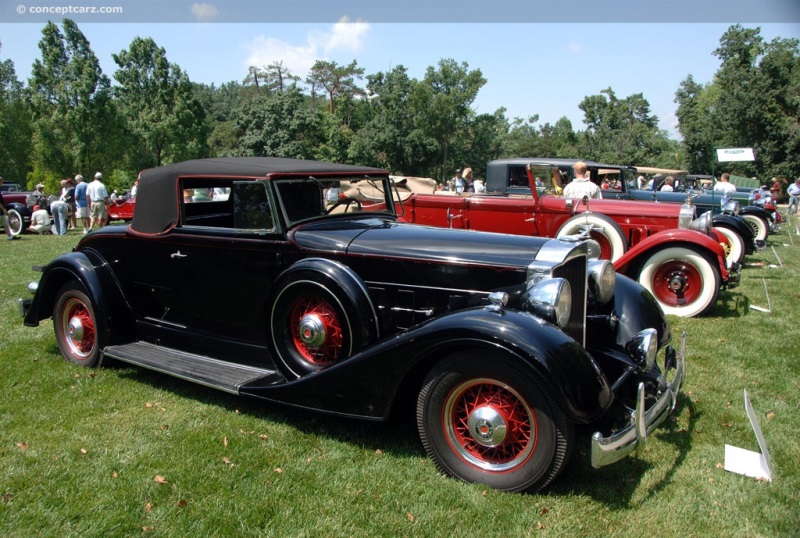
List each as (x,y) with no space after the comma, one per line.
(121,209)
(683,268)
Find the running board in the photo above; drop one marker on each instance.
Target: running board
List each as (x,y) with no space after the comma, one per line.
(214,373)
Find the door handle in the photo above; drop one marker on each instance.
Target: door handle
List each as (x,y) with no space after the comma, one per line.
(177,255)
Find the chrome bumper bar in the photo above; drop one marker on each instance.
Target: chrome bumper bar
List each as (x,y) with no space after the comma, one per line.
(611,449)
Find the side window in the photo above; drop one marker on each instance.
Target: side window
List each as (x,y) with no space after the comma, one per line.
(251,207)
(206,202)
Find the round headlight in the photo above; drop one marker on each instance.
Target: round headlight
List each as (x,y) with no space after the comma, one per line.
(550,300)
(703,223)
(731,208)
(602,280)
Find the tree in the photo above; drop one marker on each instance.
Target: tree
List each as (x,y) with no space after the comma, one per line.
(271,78)
(15,126)
(695,115)
(159,106)
(72,112)
(338,80)
(445,97)
(621,131)
(282,125)
(392,136)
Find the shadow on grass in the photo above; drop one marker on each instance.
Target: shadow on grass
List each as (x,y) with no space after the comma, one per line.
(397,437)
(616,484)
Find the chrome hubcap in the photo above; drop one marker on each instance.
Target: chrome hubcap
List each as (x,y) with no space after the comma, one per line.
(312,330)
(487,426)
(75,329)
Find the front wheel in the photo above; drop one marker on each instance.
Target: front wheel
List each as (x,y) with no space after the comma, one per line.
(486,420)
(77,327)
(735,251)
(684,282)
(760,228)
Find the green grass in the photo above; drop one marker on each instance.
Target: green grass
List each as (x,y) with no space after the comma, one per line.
(81,450)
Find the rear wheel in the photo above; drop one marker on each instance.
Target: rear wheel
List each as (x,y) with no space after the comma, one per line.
(76,326)
(489,421)
(683,281)
(15,222)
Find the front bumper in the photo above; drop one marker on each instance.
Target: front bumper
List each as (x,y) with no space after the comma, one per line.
(611,449)
(734,276)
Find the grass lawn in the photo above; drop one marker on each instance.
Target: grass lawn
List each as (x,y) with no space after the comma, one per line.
(120,451)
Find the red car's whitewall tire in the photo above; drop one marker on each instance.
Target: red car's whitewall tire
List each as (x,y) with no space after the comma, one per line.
(684,282)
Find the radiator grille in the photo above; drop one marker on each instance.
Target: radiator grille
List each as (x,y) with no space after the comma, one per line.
(574,270)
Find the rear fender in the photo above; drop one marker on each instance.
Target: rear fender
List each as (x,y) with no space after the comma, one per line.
(100,286)
(630,261)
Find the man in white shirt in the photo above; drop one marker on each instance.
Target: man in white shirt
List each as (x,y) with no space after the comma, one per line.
(724,184)
(97,195)
(40,222)
(794,196)
(581,185)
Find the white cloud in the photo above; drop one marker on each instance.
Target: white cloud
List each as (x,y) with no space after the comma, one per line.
(319,45)
(346,35)
(205,11)
(574,47)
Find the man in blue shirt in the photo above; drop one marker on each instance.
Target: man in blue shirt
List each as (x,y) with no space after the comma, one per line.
(81,202)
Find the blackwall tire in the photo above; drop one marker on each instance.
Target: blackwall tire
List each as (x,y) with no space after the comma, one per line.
(612,238)
(316,322)
(77,328)
(486,420)
(684,282)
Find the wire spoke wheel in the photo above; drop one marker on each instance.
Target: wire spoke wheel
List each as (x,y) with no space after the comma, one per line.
(76,326)
(485,419)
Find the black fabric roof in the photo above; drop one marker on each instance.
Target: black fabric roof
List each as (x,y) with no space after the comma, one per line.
(158,196)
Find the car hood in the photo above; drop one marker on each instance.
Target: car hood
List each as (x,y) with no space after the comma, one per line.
(387,238)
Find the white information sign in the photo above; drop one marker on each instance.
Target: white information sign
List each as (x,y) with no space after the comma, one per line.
(726,155)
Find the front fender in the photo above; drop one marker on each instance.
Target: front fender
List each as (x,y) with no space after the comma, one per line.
(758,212)
(738,225)
(631,260)
(366,384)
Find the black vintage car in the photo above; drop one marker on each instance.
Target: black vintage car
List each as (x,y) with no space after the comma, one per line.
(257,276)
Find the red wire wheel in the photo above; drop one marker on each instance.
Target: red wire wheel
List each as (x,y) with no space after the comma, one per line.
(488,419)
(489,425)
(317,330)
(76,326)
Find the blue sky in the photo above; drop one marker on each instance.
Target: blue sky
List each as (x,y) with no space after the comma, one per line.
(530,67)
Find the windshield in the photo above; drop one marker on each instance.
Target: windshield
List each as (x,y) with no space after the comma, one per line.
(311,197)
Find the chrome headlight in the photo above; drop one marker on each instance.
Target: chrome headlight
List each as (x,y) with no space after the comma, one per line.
(687,214)
(703,223)
(731,208)
(643,348)
(602,280)
(550,300)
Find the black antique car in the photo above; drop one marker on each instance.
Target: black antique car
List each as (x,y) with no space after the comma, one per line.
(258,277)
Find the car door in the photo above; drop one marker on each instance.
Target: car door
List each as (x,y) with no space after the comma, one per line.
(223,258)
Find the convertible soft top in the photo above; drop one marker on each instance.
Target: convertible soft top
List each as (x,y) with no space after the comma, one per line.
(159,190)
